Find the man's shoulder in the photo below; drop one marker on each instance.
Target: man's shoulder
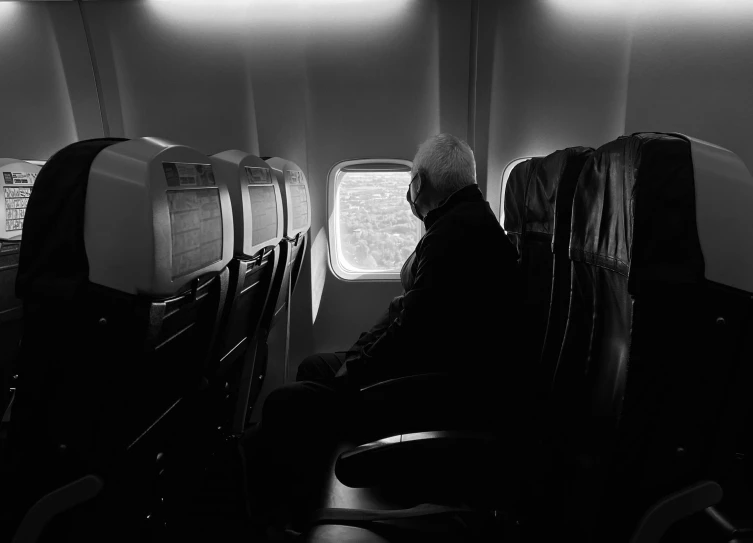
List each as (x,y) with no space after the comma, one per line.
(470,223)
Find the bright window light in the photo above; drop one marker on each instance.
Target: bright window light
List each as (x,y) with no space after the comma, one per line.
(372,230)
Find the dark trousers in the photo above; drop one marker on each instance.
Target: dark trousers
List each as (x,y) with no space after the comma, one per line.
(288,457)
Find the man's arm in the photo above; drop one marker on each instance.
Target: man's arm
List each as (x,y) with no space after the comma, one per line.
(427,315)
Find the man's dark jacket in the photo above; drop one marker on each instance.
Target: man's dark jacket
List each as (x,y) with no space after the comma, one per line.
(460,303)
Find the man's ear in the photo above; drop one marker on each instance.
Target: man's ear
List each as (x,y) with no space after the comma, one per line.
(420,182)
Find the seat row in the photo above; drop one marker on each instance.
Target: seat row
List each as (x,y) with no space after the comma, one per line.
(637,264)
(148,277)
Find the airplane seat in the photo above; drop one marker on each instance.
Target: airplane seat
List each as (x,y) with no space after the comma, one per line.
(254,279)
(538,191)
(538,204)
(123,276)
(18,179)
(297,221)
(530,266)
(643,372)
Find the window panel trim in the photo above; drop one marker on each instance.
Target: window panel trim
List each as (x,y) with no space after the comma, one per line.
(375,166)
(333,180)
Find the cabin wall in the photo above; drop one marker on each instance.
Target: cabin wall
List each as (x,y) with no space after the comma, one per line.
(556,81)
(691,71)
(47,94)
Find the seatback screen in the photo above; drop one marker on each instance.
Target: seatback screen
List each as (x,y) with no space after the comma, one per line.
(195,229)
(298,199)
(16,198)
(299,205)
(263,213)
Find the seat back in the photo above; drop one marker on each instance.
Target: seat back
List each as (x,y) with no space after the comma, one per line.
(258,220)
(568,164)
(297,209)
(17,181)
(687,408)
(123,276)
(539,190)
(538,200)
(640,384)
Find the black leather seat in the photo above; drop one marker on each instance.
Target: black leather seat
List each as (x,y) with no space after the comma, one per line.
(538,202)
(640,382)
(122,308)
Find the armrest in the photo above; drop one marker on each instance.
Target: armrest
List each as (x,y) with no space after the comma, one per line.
(408,456)
(54,503)
(728,528)
(675,507)
(406,385)
(410,404)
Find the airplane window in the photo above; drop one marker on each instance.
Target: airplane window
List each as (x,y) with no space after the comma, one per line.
(372,230)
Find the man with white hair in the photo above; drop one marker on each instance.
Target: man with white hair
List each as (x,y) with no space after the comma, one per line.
(456,283)
(459,302)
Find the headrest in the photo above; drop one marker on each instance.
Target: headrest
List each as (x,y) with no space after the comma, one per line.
(724,200)
(553,180)
(256,199)
(18,178)
(634,211)
(532,190)
(156,218)
(53,260)
(295,193)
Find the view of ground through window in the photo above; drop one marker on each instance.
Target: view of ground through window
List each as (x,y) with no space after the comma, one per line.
(377,230)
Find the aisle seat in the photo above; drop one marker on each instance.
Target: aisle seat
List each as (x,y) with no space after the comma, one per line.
(123,276)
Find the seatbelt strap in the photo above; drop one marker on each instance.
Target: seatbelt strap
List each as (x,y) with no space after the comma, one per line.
(364,516)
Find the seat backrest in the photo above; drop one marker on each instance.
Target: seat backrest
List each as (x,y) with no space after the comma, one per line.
(17,181)
(297,210)
(537,190)
(642,374)
(258,219)
(123,276)
(687,406)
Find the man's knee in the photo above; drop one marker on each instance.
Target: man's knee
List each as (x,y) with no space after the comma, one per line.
(307,368)
(320,367)
(296,404)
(284,400)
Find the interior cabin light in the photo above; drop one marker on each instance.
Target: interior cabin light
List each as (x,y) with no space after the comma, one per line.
(286,13)
(7,8)
(690,8)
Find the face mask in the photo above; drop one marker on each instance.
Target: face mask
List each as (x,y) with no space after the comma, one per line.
(413,202)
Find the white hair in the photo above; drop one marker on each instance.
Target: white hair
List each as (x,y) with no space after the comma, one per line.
(448,163)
